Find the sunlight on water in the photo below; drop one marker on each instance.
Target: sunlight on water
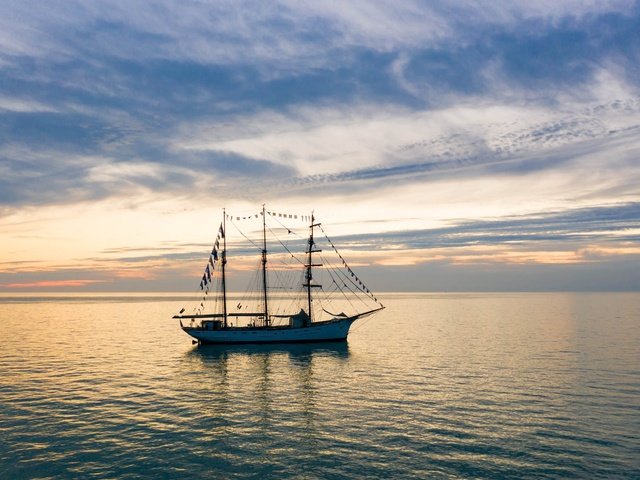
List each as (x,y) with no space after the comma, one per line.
(438,385)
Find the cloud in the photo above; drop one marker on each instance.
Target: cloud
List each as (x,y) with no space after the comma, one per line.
(23,105)
(63,177)
(222,31)
(615,227)
(331,146)
(172,52)
(618,224)
(599,235)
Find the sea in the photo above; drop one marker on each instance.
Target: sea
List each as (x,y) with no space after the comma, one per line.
(440,385)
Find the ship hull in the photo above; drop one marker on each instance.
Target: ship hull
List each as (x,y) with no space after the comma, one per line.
(329,331)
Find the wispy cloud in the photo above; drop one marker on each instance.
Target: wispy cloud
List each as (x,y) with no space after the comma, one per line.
(591,235)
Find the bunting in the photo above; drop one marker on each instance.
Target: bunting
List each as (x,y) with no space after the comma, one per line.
(356,281)
(292,216)
(211,263)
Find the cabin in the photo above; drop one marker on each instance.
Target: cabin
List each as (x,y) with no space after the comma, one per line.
(211,324)
(299,320)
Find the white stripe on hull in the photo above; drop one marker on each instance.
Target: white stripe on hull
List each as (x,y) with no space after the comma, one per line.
(335,330)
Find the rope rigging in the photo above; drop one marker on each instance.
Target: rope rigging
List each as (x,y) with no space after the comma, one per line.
(289,273)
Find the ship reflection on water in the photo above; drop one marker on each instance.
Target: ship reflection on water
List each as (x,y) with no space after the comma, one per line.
(279,383)
(297,353)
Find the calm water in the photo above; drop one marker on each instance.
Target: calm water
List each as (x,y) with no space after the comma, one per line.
(451,386)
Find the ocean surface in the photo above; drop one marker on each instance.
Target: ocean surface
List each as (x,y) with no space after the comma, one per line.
(435,386)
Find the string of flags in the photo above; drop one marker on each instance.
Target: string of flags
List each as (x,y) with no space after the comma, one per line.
(206,280)
(355,278)
(304,218)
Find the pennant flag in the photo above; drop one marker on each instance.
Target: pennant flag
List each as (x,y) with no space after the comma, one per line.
(215,254)
(204,279)
(182,311)
(217,245)
(201,287)
(239,306)
(221,231)
(211,261)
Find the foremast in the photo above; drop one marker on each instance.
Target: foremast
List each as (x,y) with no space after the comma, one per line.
(224,262)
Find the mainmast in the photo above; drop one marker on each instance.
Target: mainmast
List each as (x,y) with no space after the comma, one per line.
(309,265)
(264,266)
(224,262)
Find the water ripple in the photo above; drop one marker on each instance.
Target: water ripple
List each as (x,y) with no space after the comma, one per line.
(437,386)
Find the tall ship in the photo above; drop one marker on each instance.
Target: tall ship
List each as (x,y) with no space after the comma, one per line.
(299,288)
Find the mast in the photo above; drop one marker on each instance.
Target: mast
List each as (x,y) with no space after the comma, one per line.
(309,265)
(264,266)
(224,262)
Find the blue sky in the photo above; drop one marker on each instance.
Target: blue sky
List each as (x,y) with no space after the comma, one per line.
(472,141)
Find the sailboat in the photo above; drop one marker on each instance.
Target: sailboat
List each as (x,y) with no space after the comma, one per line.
(285,302)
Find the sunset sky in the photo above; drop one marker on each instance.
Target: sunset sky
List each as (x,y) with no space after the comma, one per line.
(468,145)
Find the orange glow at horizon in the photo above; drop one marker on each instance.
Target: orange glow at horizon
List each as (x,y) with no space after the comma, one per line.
(52,283)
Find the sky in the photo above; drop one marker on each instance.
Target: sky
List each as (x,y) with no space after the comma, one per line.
(449,146)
